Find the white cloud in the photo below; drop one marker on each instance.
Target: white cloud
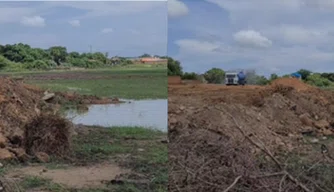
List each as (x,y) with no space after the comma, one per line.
(251,38)
(34,21)
(74,23)
(177,8)
(107,30)
(292,34)
(204,55)
(195,46)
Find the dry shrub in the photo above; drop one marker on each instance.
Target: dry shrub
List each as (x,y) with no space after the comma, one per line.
(203,160)
(48,133)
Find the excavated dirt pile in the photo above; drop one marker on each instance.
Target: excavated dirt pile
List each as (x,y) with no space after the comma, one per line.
(26,126)
(249,138)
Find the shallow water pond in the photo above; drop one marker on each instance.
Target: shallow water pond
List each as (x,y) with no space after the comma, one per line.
(144,113)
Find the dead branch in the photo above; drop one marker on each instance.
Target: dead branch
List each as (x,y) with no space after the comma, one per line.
(267,175)
(265,150)
(281,183)
(199,178)
(233,184)
(309,169)
(262,148)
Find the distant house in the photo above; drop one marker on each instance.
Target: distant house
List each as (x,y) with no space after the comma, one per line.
(152,60)
(138,60)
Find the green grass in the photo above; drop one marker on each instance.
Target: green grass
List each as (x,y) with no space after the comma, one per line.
(155,88)
(143,84)
(105,143)
(102,143)
(33,182)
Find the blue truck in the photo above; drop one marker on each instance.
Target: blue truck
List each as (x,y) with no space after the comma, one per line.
(296,75)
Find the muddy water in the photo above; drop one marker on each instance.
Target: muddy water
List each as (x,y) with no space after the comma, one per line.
(145,113)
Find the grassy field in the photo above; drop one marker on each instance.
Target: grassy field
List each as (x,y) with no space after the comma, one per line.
(127,83)
(138,149)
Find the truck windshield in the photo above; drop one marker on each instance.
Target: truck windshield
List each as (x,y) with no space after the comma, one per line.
(230,76)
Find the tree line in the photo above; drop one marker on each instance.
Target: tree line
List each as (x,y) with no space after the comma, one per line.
(22,56)
(217,76)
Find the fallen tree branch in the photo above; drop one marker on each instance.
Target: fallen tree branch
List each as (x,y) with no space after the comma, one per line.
(210,183)
(262,148)
(309,169)
(267,175)
(265,150)
(281,183)
(233,184)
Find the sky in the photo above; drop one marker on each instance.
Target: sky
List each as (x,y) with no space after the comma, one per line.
(269,36)
(119,28)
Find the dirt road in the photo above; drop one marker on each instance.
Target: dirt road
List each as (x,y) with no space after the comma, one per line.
(220,135)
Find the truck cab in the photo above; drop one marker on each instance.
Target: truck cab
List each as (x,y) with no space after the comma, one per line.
(231,78)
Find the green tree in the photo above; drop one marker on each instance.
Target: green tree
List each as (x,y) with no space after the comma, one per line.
(316,80)
(174,67)
(58,54)
(215,75)
(145,55)
(74,55)
(329,76)
(4,62)
(22,56)
(304,73)
(99,57)
(273,77)
(190,76)
(261,80)
(37,64)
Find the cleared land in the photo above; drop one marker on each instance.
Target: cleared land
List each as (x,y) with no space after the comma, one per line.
(252,138)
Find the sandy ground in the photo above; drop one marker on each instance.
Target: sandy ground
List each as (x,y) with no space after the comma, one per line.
(94,176)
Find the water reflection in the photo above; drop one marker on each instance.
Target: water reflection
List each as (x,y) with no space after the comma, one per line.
(145,113)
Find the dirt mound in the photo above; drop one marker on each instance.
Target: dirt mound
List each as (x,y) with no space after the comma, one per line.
(17,107)
(219,135)
(172,80)
(291,82)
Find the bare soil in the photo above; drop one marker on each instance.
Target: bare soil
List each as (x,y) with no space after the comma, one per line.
(174,80)
(94,176)
(225,136)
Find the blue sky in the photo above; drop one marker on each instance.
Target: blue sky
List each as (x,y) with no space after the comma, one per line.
(120,28)
(270,36)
